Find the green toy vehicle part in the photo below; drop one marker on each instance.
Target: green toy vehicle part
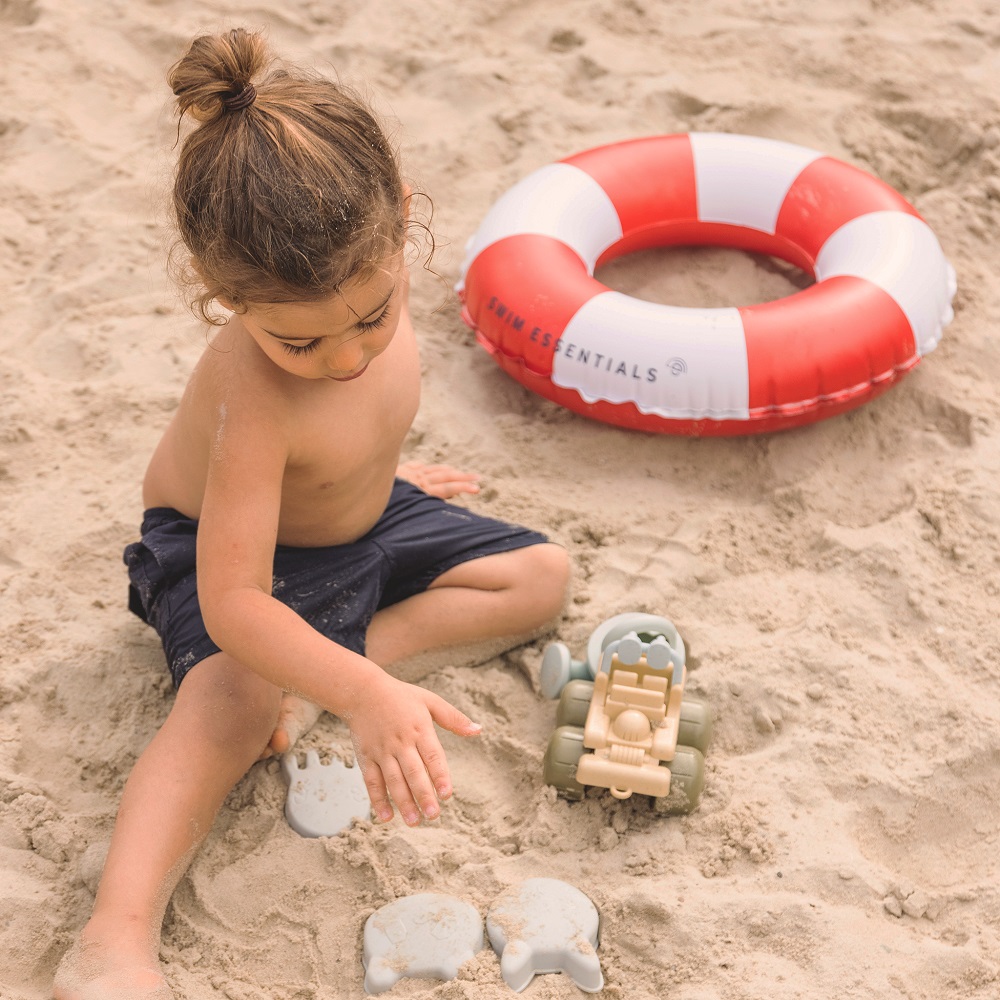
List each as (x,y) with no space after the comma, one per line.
(687,781)
(629,729)
(561,758)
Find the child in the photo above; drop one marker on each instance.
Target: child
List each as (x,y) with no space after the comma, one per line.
(317,567)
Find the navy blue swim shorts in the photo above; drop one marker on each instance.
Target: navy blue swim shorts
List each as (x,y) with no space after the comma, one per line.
(337,588)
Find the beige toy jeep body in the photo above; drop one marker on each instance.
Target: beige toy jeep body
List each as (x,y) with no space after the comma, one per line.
(638,734)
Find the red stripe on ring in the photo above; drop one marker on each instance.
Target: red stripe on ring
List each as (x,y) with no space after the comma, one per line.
(648,181)
(825,196)
(832,340)
(520,293)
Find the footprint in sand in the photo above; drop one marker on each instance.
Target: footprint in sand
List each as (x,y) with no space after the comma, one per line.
(941,838)
(19,13)
(8,564)
(952,422)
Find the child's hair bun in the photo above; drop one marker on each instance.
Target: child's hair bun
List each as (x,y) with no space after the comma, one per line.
(216,74)
(289,186)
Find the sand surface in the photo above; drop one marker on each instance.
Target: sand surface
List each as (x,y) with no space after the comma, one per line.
(837,585)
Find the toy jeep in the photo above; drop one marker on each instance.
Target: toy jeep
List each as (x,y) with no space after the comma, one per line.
(629,729)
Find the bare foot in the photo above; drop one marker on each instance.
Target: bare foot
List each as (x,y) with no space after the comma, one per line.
(295,718)
(92,971)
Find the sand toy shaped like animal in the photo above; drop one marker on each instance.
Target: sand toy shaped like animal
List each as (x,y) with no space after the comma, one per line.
(631,730)
(544,925)
(426,936)
(323,799)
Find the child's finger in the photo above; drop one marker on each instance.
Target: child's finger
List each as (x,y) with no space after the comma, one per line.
(434,759)
(399,789)
(415,772)
(447,489)
(441,473)
(377,791)
(448,717)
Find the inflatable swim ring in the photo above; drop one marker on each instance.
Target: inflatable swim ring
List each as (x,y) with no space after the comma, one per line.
(881,297)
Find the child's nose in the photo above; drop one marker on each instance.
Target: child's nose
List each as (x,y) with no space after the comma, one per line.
(347,357)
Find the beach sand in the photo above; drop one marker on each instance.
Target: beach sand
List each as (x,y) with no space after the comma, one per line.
(837,585)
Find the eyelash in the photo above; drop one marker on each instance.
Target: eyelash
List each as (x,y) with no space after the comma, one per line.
(299,350)
(375,323)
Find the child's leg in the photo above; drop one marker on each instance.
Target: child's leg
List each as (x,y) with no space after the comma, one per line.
(505,598)
(503,595)
(221,719)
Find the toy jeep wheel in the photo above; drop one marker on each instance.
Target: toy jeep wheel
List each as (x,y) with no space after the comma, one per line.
(574,703)
(695,729)
(561,757)
(687,779)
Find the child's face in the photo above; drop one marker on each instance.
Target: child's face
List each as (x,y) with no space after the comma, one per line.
(334,338)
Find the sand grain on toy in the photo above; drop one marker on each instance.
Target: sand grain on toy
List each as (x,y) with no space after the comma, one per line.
(836,586)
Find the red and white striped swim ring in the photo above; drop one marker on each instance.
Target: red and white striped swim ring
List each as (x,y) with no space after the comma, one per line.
(882,295)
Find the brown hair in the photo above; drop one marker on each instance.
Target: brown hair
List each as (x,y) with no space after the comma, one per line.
(288,187)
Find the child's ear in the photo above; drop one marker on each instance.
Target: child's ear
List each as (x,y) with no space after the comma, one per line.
(225,303)
(407,199)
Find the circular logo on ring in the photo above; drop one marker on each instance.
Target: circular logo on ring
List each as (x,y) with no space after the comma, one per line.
(677,366)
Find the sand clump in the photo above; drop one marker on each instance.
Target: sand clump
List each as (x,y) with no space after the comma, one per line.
(836,585)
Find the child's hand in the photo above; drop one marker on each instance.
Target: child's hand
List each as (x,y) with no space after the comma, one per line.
(399,752)
(441,481)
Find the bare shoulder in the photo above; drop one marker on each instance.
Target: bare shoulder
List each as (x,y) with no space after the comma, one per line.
(236,389)
(232,409)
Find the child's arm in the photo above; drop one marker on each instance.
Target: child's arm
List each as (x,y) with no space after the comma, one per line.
(392,723)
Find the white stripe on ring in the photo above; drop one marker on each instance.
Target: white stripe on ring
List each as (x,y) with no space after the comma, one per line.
(670,361)
(901,255)
(742,180)
(559,200)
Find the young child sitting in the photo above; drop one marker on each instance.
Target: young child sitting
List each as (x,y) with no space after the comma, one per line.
(287,560)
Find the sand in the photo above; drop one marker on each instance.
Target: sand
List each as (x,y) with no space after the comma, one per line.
(837,585)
